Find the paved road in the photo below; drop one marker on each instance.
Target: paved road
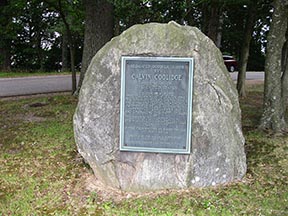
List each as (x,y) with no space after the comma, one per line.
(61,83)
(35,85)
(249,75)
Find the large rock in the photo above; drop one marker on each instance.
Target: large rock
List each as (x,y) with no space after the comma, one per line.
(217,142)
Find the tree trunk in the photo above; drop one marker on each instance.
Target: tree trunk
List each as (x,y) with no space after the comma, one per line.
(5,44)
(249,26)
(39,51)
(72,59)
(99,26)
(205,17)
(212,11)
(273,116)
(59,7)
(5,62)
(117,30)
(71,46)
(189,16)
(214,21)
(284,77)
(64,48)
(219,32)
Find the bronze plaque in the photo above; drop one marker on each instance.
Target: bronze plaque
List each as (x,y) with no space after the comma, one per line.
(156,104)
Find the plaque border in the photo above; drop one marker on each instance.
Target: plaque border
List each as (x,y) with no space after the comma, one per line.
(187,150)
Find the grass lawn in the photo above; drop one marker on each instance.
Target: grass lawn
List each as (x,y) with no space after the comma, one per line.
(42,174)
(25,74)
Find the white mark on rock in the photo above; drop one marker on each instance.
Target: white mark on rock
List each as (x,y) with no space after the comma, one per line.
(219,153)
(227,160)
(224,176)
(213,183)
(197,178)
(217,169)
(86,119)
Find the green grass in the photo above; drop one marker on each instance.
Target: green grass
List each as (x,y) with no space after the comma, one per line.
(25,74)
(42,174)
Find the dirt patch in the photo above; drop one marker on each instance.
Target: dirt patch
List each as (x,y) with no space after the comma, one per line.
(254,82)
(106,193)
(29,117)
(38,104)
(34,96)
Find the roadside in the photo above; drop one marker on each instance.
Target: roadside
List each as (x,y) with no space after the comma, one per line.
(254,82)
(31,74)
(40,95)
(19,86)
(248,82)
(51,83)
(250,75)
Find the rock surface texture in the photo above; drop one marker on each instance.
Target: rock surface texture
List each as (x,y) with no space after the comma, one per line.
(217,154)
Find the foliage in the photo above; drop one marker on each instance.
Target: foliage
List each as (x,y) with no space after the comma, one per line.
(34,38)
(71,20)
(233,28)
(128,13)
(233,13)
(40,171)
(32,31)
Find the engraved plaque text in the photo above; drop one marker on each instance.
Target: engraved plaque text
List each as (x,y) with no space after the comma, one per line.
(156,104)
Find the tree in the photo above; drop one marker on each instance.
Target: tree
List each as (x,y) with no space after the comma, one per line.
(64,54)
(30,34)
(5,43)
(257,11)
(66,9)
(8,32)
(212,19)
(99,26)
(276,81)
(29,40)
(249,26)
